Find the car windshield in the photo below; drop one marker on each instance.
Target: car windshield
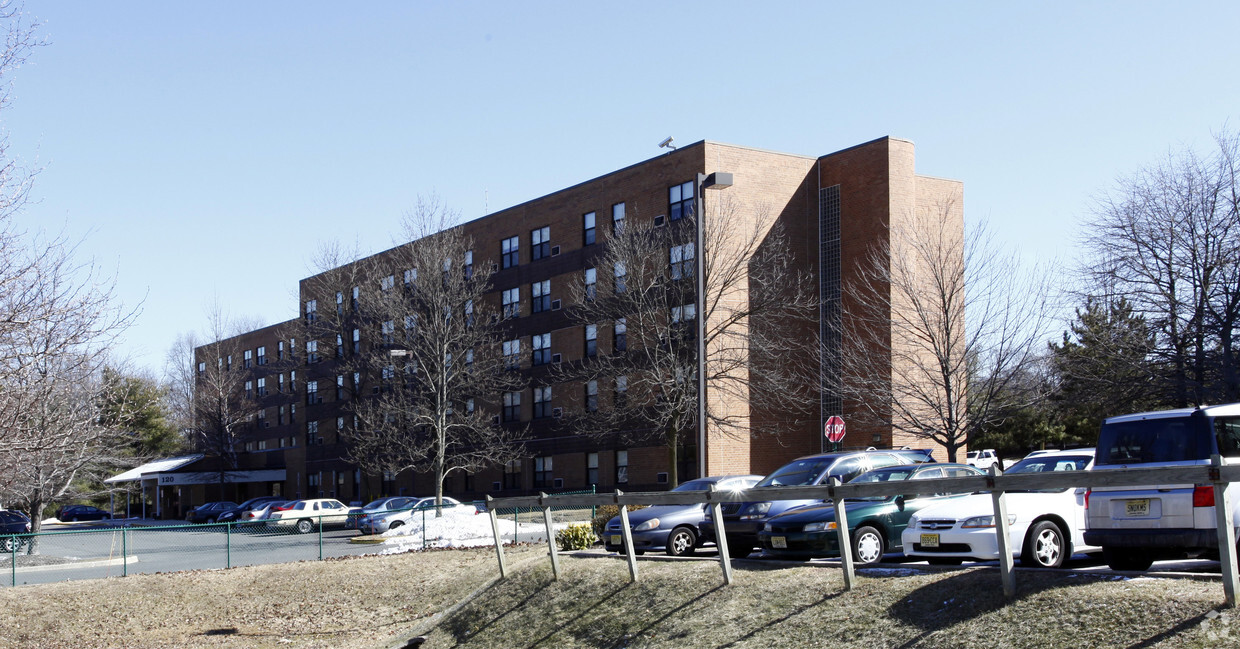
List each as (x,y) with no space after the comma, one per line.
(1045,463)
(695,485)
(890,474)
(801,472)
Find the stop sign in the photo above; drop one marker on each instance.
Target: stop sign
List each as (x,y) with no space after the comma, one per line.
(834,429)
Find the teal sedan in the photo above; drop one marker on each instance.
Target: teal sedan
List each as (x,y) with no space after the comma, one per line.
(875,524)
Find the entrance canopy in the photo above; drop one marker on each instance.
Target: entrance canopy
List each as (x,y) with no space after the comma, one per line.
(151,470)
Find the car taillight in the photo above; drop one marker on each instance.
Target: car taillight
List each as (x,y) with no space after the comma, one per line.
(1203,495)
(1087,492)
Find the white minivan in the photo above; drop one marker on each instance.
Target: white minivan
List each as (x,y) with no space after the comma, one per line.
(1137,525)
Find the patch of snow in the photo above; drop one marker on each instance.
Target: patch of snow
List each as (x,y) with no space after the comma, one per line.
(459,530)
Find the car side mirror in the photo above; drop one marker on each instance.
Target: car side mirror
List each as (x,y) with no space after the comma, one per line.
(900,503)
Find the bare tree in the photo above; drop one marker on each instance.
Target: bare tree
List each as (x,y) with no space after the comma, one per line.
(1167,240)
(941,327)
(208,399)
(758,312)
(429,360)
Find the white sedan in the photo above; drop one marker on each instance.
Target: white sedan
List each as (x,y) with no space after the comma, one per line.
(1046,527)
(305,514)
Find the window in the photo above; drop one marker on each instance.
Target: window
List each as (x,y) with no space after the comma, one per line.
(280,384)
(591,396)
(387,283)
(249,389)
(312,351)
(262,355)
(202,367)
(262,417)
(541,293)
(620,335)
(339,387)
(681,260)
(280,350)
(339,346)
(512,474)
(247,358)
(591,282)
(510,253)
(622,467)
(587,224)
(542,348)
(292,382)
(540,243)
(684,313)
(592,468)
(411,277)
(339,424)
(542,472)
(280,416)
(388,330)
(617,218)
(312,310)
(512,302)
(542,402)
(622,277)
(512,354)
(312,431)
(469,313)
(622,391)
(262,387)
(680,200)
(357,341)
(469,264)
(228,364)
(447,268)
(469,405)
(339,303)
(591,340)
(512,406)
(312,393)
(357,293)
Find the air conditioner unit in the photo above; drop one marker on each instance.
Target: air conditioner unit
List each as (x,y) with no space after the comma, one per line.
(555,358)
(495,486)
(555,305)
(555,251)
(557,412)
(495,420)
(266,424)
(658,220)
(494,267)
(559,483)
(661,478)
(320,442)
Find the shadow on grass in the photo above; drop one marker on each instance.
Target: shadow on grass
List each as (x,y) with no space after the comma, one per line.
(775,622)
(465,624)
(954,602)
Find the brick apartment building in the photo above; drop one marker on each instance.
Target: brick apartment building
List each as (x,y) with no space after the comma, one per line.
(834,209)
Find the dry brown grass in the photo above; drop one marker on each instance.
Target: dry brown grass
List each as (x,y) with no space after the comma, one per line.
(376,601)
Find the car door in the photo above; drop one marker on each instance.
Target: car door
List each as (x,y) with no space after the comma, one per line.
(898,519)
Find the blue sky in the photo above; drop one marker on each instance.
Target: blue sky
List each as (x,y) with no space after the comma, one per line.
(204,150)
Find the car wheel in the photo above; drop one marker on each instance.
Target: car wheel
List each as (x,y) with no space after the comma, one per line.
(944,561)
(868,546)
(210,521)
(73,519)
(9,544)
(304,526)
(739,549)
(1127,558)
(395,524)
(681,542)
(1045,546)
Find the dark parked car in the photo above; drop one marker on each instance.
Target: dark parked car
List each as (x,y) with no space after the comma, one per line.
(874,524)
(743,521)
(11,523)
(75,513)
(209,512)
(238,513)
(672,528)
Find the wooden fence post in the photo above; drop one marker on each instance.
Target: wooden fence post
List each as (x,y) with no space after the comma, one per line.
(1226,532)
(844,538)
(1006,567)
(499,543)
(628,538)
(721,538)
(555,557)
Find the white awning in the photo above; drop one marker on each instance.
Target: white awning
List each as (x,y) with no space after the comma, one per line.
(156,467)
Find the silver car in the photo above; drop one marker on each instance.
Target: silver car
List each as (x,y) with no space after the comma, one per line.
(382,521)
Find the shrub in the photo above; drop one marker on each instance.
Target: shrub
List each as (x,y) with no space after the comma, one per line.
(604,513)
(577,536)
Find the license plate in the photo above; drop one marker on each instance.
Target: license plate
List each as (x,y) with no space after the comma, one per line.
(616,539)
(1138,508)
(929,540)
(779,542)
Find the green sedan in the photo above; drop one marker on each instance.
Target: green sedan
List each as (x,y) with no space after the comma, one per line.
(875,524)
